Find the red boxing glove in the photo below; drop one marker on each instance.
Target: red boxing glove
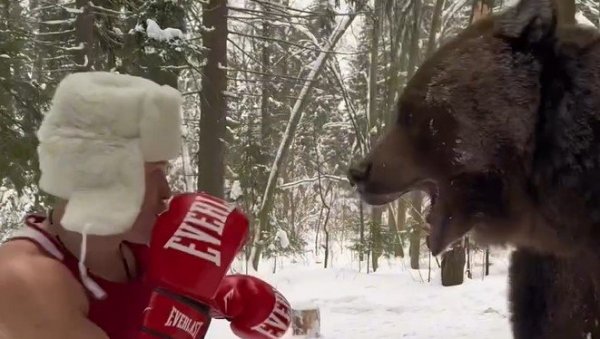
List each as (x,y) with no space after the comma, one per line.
(192,246)
(255,309)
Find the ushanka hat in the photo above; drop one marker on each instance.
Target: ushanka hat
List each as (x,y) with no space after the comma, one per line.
(100,130)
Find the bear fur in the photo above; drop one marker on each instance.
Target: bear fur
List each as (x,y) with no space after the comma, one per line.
(501,127)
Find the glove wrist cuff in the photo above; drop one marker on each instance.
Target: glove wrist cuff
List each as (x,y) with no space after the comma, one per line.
(174,316)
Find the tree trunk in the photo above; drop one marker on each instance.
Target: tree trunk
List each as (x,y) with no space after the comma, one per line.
(372,112)
(266,122)
(306,323)
(211,150)
(566,10)
(374,126)
(598,18)
(415,234)
(6,99)
(376,241)
(84,34)
(413,56)
(394,231)
(468,250)
(487,261)
(326,231)
(453,265)
(436,21)
(361,231)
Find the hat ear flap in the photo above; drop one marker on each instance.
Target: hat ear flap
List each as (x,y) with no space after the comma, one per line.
(160,124)
(113,207)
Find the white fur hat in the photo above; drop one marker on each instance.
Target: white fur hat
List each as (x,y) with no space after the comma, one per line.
(94,141)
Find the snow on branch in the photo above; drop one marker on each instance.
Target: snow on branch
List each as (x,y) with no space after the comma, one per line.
(154,31)
(69,31)
(42,8)
(583,20)
(73,10)
(58,22)
(293,184)
(107,10)
(79,47)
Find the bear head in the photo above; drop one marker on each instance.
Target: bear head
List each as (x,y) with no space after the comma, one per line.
(467,130)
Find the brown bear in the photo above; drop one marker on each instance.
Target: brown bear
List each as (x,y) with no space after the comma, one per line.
(501,127)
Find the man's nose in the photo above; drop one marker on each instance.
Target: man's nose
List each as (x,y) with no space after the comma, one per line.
(359,172)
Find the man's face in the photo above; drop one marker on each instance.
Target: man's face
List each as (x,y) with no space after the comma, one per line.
(155,201)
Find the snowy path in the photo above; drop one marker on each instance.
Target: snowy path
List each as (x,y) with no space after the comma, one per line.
(394,303)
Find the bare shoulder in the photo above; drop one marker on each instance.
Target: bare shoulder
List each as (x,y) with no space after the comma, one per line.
(24,266)
(38,294)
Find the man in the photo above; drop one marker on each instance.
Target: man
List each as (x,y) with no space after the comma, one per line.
(103,152)
(85,270)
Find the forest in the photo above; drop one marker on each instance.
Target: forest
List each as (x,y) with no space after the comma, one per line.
(281,96)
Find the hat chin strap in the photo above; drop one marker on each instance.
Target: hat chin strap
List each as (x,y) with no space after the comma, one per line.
(88,282)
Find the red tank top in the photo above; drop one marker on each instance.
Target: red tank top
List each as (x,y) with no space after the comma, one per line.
(120,313)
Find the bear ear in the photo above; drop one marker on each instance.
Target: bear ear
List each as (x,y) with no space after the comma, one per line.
(531,20)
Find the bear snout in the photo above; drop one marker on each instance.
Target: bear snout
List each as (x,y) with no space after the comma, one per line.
(359,173)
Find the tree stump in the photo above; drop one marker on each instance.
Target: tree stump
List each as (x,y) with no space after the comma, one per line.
(307,322)
(453,266)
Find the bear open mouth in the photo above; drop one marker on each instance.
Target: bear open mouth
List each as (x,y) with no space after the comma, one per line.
(428,186)
(436,219)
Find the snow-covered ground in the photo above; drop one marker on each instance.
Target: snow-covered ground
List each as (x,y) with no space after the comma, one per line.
(394,302)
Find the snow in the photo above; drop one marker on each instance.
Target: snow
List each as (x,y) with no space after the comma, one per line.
(236,190)
(282,236)
(583,20)
(154,31)
(137,29)
(395,302)
(58,22)
(79,47)
(4,56)
(73,10)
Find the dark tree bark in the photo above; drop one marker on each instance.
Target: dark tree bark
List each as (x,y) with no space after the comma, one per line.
(416,231)
(487,261)
(361,231)
(211,153)
(374,126)
(413,58)
(376,240)
(84,34)
(394,231)
(436,21)
(566,10)
(453,265)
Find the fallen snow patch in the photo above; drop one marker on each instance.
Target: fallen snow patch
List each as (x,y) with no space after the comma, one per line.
(283,238)
(236,190)
(582,20)
(395,302)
